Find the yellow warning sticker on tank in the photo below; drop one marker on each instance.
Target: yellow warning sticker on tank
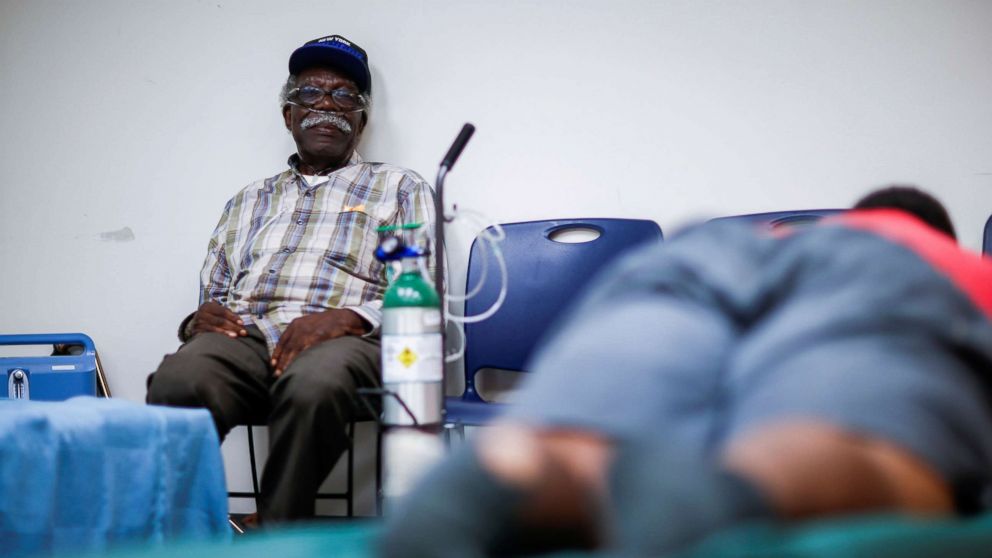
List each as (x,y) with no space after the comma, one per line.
(412,358)
(407,357)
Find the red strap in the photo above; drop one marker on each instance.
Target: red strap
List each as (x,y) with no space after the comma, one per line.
(971,272)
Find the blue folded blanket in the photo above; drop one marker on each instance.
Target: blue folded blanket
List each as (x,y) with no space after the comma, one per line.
(87,473)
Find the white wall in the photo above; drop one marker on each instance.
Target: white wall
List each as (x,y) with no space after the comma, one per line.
(150,115)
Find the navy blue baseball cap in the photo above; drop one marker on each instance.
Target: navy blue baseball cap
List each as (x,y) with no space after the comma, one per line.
(336,52)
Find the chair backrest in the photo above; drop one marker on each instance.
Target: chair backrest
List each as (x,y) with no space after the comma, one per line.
(780,218)
(543,277)
(987,239)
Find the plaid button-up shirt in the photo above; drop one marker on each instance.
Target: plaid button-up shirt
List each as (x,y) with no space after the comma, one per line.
(284,248)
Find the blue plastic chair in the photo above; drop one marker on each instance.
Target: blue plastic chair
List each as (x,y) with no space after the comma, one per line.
(544,276)
(781,218)
(987,239)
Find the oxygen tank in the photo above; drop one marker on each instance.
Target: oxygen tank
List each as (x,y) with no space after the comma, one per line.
(412,354)
(412,367)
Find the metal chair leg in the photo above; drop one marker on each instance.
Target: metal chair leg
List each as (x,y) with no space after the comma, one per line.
(254,468)
(102,387)
(378,470)
(350,493)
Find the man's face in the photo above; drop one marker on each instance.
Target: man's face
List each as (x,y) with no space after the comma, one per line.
(321,143)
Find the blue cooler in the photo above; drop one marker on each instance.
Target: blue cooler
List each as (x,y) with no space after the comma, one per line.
(48,378)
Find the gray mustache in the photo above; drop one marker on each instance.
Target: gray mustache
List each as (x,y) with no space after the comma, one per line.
(318,118)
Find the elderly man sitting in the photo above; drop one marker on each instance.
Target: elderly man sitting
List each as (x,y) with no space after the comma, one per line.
(287,328)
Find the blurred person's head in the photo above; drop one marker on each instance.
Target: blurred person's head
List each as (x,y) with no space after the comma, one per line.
(911,200)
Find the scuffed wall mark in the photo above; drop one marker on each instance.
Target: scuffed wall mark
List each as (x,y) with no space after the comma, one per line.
(122,235)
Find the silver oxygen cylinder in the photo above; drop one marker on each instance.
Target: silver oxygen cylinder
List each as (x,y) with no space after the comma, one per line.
(412,352)
(412,374)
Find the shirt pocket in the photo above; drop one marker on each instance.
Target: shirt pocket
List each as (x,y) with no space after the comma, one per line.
(352,248)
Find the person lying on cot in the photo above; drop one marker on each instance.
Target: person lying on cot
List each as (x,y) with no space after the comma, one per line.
(735,374)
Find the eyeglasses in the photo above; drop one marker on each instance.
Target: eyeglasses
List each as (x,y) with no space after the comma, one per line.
(342,99)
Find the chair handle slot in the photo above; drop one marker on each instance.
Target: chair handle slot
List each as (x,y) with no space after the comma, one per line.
(574,234)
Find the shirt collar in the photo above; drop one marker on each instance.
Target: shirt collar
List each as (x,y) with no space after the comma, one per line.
(294,162)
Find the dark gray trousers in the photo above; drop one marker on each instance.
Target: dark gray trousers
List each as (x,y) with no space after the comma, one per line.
(307,409)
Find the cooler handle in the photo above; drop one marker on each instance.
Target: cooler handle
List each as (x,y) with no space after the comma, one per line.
(50,339)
